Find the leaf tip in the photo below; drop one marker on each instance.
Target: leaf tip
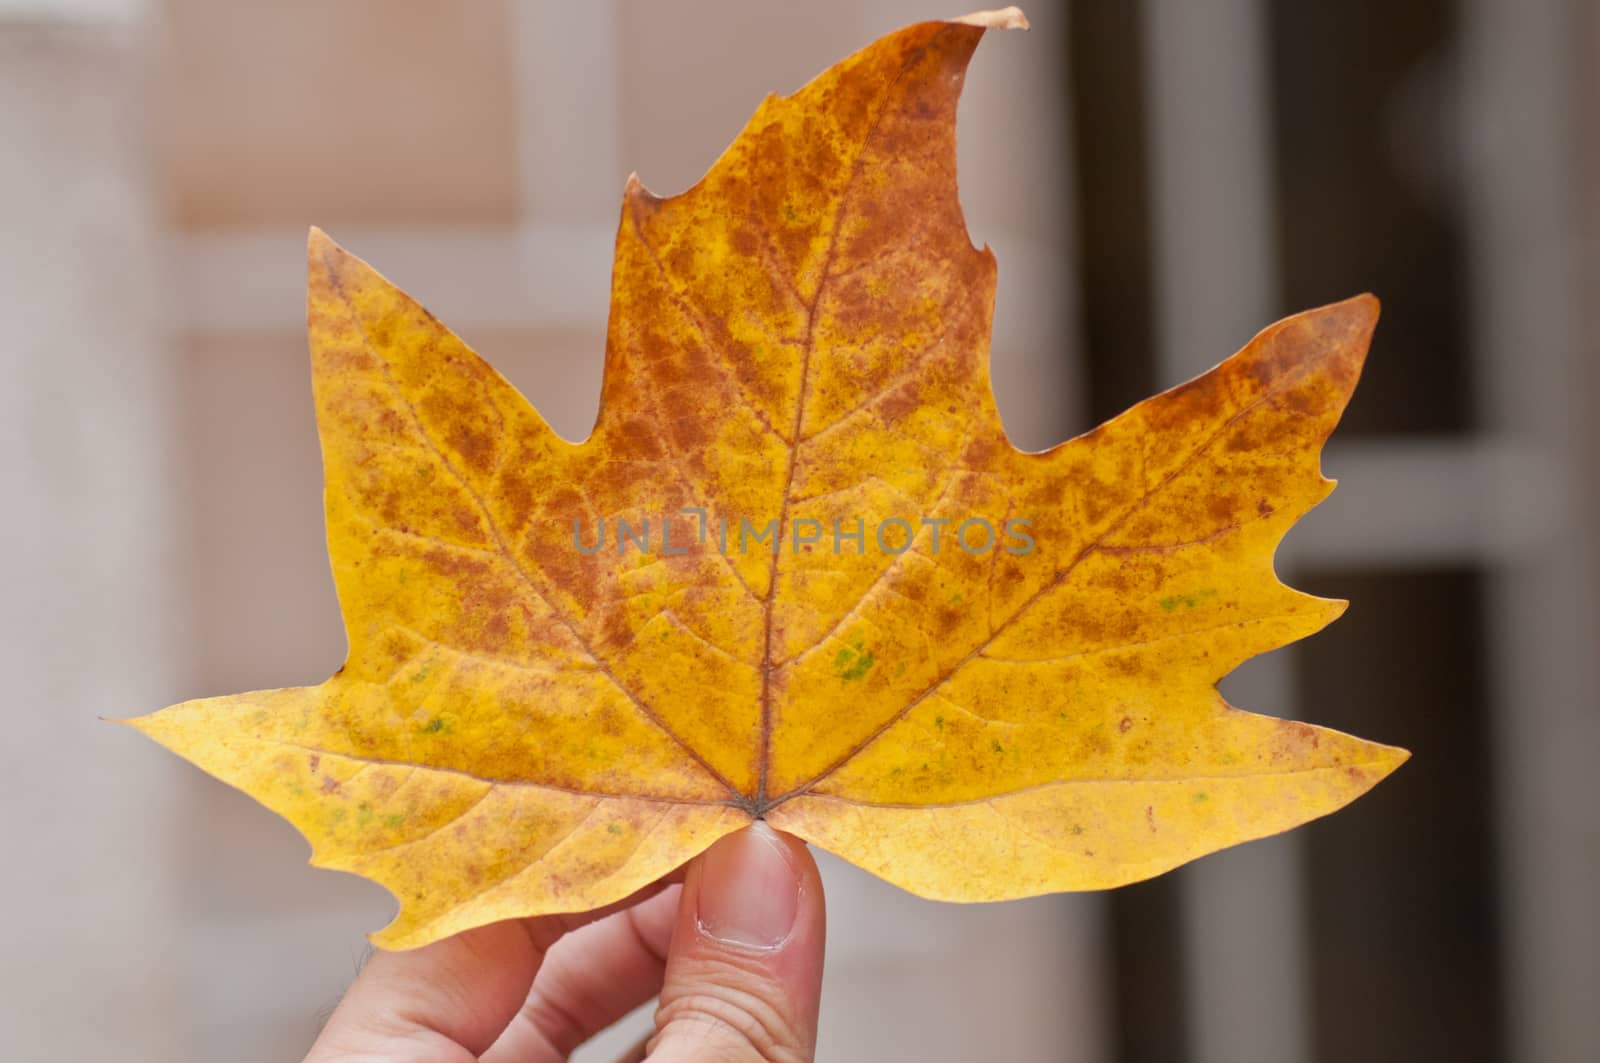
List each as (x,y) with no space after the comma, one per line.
(1354,318)
(1359,313)
(635,189)
(330,269)
(329,264)
(403,932)
(320,247)
(1006,18)
(319,244)
(391,940)
(1384,763)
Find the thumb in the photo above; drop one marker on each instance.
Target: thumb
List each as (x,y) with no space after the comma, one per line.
(744,971)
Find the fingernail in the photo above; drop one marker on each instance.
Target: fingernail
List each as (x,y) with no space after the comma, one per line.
(749,891)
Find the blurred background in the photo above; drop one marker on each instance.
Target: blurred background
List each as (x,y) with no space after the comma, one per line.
(1159,179)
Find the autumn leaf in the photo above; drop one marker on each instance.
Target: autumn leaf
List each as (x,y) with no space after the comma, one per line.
(797,571)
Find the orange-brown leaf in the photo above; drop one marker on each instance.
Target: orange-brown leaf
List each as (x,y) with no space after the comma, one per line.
(978,672)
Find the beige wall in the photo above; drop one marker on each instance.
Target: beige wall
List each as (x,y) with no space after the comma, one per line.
(358,112)
(91,622)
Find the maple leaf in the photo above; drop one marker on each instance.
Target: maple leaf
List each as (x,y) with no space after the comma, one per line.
(797,571)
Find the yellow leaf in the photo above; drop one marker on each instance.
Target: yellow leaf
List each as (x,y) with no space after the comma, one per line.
(797,571)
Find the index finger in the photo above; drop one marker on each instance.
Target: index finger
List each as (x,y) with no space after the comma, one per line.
(447,1002)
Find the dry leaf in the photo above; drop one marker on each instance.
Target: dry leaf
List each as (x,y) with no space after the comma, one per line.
(977,672)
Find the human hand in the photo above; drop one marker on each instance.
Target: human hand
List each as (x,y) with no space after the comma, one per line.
(735,953)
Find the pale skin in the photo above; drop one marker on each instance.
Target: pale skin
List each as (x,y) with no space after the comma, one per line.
(732,946)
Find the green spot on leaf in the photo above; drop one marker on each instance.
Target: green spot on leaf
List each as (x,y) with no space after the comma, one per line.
(853,664)
(1188,601)
(613,828)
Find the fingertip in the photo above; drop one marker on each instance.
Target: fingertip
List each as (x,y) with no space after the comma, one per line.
(745,967)
(749,889)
